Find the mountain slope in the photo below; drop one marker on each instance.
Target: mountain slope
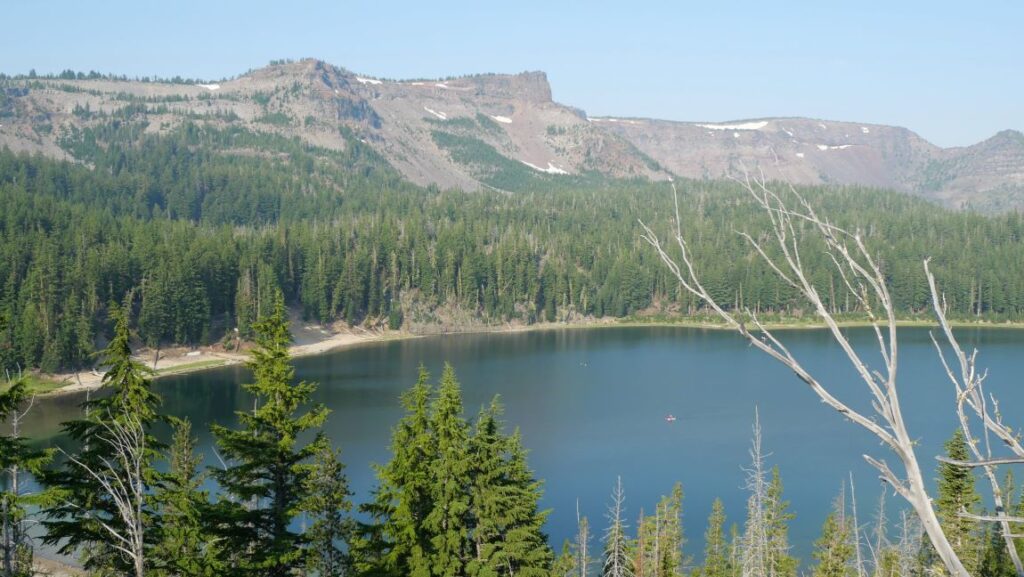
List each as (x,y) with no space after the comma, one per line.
(511,118)
(506,132)
(988,175)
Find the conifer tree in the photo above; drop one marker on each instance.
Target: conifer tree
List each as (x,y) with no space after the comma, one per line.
(508,537)
(670,536)
(782,564)
(957,493)
(645,548)
(716,549)
(448,521)
(102,504)
(327,506)
(185,548)
(267,462)
(396,541)
(996,560)
(17,459)
(833,550)
(523,549)
(488,491)
(565,562)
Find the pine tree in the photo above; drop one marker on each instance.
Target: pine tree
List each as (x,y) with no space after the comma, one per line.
(508,535)
(396,541)
(327,505)
(524,547)
(957,493)
(996,560)
(778,518)
(448,521)
(185,548)
(488,491)
(16,460)
(565,562)
(716,549)
(833,550)
(267,472)
(670,538)
(647,546)
(102,503)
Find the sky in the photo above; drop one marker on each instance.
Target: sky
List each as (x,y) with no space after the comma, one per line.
(951,71)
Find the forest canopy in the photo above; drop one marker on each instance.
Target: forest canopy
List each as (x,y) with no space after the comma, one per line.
(201,226)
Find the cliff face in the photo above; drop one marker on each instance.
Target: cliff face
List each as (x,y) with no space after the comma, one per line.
(988,175)
(459,132)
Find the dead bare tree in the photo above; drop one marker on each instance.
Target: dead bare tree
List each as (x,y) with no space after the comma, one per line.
(866,283)
(121,476)
(582,543)
(756,554)
(855,533)
(971,401)
(616,557)
(909,544)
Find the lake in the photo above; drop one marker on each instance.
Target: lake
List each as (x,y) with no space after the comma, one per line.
(591,405)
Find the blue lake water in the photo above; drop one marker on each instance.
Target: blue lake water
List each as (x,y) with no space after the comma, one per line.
(591,405)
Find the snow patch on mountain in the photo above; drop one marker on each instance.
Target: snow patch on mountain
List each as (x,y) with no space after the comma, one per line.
(502,119)
(210,87)
(440,115)
(739,126)
(551,169)
(368,80)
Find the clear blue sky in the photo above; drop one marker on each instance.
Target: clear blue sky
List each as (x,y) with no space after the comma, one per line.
(952,71)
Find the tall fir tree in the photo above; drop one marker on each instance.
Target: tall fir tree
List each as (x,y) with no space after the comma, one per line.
(996,560)
(565,563)
(448,521)
(396,542)
(327,509)
(777,517)
(17,459)
(671,540)
(957,493)
(834,549)
(265,482)
(102,498)
(717,562)
(185,547)
(508,537)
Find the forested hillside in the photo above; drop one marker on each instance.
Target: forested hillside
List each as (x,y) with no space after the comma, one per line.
(202,225)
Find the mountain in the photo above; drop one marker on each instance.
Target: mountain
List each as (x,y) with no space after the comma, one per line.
(986,176)
(506,132)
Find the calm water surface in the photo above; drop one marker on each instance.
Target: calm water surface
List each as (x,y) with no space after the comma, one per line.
(591,405)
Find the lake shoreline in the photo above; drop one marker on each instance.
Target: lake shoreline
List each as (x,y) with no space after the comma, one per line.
(190,362)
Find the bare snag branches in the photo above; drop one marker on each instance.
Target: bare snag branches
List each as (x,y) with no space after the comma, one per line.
(863,277)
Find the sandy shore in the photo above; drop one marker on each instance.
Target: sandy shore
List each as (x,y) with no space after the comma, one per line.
(43,566)
(179,361)
(315,339)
